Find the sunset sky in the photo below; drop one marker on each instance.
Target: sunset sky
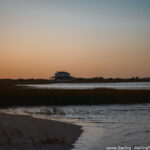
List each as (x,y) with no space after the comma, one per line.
(88,38)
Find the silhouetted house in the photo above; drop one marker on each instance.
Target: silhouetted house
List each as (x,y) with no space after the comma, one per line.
(63,76)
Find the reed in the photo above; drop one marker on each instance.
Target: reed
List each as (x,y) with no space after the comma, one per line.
(11,95)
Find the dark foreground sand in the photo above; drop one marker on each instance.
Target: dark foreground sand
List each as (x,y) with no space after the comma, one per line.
(27,133)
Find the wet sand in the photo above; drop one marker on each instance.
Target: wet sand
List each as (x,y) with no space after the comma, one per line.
(27,133)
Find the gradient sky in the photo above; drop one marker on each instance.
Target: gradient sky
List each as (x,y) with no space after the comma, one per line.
(88,38)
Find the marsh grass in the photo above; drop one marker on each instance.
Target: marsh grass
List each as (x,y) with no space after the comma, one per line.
(9,141)
(11,95)
(55,141)
(17,132)
(33,141)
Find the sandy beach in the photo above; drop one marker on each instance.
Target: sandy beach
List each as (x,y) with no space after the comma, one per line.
(27,133)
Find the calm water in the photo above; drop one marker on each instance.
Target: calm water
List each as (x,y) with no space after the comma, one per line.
(127,85)
(111,125)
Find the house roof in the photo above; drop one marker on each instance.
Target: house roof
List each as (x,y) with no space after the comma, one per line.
(63,72)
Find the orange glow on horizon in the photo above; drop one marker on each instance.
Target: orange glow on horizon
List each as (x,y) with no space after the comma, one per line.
(91,39)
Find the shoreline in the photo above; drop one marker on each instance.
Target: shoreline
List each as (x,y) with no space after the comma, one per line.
(25,132)
(82,80)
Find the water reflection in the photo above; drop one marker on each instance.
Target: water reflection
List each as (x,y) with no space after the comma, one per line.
(126,85)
